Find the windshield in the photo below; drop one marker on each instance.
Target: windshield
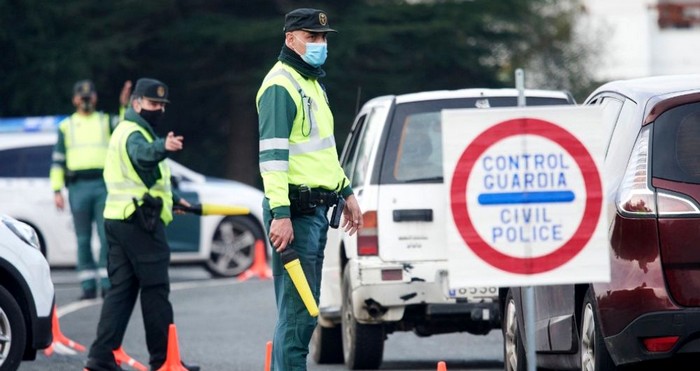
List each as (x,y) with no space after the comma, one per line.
(414,148)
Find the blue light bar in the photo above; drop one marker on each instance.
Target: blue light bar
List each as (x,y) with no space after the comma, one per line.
(30,124)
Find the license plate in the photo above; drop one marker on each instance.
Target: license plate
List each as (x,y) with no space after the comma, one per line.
(474,293)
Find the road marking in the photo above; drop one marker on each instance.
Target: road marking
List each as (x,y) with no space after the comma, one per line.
(78,305)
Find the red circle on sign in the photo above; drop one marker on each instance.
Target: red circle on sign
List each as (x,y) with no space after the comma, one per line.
(460,208)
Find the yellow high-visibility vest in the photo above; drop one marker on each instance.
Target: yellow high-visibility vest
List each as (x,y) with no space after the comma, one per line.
(123,182)
(313,157)
(86,139)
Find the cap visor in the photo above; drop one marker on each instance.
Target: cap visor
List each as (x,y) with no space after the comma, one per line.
(319,29)
(160,100)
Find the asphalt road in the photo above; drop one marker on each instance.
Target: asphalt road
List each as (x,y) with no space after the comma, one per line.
(224,324)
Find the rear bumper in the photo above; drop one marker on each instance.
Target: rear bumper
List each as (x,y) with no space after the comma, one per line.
(627,346)
(420,295)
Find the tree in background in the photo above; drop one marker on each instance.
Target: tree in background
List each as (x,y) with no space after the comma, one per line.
(213,55)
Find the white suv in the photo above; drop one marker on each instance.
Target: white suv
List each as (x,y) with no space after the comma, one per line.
(26,294)
(392,275)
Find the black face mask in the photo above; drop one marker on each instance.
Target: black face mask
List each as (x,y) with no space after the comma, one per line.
(153,117)
(86,104)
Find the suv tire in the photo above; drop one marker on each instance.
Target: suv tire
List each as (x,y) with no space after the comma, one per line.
(327,345)
(513,349)
(13,333)
(594,353)
(363,345)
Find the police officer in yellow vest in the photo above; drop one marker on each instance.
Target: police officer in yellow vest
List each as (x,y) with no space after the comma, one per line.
(138,208)
(301,175)
(78,160)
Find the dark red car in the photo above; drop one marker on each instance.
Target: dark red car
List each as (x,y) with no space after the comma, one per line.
(650,309)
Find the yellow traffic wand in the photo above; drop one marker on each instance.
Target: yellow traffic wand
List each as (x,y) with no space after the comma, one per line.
(213,209)
(291,262)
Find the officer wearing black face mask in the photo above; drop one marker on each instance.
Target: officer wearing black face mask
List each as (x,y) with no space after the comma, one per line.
(139,206)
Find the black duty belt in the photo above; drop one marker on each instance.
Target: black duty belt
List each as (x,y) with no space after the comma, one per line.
(89,175)
(304,200)
(304,197)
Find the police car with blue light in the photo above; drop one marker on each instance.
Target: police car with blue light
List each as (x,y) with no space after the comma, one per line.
(223,244)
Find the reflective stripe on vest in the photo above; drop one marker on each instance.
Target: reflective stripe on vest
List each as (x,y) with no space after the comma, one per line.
(315,143)
(123,182)
(86,140)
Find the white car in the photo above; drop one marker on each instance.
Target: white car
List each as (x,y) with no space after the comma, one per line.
(26,294)
(224,245)
(392,275)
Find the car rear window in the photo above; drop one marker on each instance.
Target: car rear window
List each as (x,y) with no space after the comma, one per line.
(413,153)
(676,144)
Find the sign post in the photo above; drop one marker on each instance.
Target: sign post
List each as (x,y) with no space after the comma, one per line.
(528,293)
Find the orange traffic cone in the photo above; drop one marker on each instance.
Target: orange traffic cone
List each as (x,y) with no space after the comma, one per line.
(120,357)
(442,366)
(268,355)
(259,267)
(172,359)
(61,343)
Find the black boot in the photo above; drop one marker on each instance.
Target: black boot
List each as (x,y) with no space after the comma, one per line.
(185,365)
(190,367)
(89,294)
(96,365)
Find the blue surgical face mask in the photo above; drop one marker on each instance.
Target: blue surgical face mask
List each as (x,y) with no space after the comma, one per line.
(316,54)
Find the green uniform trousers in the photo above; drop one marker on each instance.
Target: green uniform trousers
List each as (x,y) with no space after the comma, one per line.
(138,267)
(290,344)
(87,204)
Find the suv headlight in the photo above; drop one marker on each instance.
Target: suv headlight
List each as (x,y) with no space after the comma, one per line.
(23,231)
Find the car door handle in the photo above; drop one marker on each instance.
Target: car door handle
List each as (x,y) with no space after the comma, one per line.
(413,215)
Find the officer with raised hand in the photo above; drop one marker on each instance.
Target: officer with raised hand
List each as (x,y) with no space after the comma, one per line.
(301,174)
(139,206)
(78,160)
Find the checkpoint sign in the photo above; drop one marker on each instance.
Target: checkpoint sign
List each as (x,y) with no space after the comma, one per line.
(526,196)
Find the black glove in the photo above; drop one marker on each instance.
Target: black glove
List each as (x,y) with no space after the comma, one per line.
(148,213)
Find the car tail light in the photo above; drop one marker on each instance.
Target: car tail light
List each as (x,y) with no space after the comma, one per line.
(674,205)
(635,197)
(367,241)
(660,344)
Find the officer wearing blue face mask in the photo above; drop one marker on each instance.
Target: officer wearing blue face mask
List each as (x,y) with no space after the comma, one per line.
(302,176)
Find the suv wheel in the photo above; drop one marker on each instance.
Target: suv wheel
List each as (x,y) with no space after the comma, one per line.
(12,332)
(327,345)
(594,353)
(233,246)
(363,345)
(513,349)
